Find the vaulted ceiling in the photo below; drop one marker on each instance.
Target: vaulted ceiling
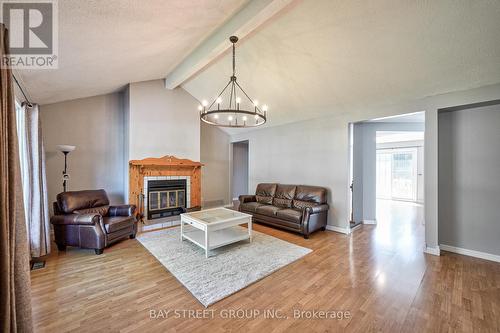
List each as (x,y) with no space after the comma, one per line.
(314,58)
(324,56)
(105,44)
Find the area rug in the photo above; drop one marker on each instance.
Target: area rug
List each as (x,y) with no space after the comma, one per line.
(228,270)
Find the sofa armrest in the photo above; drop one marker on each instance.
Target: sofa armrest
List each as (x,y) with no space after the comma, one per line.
(247,198)
(121,210)
(76,219)
(317,209)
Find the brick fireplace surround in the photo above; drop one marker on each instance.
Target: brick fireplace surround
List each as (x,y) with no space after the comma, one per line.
(166,167)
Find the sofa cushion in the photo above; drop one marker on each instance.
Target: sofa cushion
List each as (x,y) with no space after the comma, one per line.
(311,193)
(284,195)
(115,223)
(265,192)
(300,204)
(250,206)
(268,210)
(292,215)
(75,200)
(102,210)
(309,196)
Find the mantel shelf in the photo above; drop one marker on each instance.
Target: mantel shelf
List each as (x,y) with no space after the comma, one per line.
(171,161)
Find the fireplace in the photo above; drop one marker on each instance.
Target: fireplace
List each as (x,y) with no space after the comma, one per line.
(166,201)
(165,198)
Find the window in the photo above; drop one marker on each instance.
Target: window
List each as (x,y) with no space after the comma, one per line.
(23,151)
(397,174)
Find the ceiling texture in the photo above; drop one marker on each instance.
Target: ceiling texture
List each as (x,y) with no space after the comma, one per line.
(106,44)
(316,58)
(327,57)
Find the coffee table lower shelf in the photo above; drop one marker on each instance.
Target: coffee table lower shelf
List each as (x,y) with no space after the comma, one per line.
(217,238)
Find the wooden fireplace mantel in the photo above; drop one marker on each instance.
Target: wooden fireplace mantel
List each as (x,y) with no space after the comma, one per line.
(163,166)
(166,161)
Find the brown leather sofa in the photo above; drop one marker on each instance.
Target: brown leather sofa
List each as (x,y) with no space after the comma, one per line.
(298,208)
(85,219)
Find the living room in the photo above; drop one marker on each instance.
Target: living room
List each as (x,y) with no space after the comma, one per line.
(214,165)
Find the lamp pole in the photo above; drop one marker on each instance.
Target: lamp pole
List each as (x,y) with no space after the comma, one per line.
(65,149)
(65,174)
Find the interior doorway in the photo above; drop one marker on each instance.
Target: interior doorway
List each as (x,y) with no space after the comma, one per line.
(387,170)
(239,174)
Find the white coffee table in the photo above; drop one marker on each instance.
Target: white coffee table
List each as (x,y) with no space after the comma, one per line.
(216,227)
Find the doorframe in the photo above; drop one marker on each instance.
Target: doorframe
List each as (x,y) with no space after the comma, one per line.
(350,173)
(231,164)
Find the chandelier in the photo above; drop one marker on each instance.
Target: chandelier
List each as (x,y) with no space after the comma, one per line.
(233,107)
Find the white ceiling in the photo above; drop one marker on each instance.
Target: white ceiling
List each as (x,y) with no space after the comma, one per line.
(315,58)
(105,44)
(325,57)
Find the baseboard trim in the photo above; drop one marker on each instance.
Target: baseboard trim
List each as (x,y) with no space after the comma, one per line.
(369,221)
(471,253)
(346,231)
(357,226)
(435,251)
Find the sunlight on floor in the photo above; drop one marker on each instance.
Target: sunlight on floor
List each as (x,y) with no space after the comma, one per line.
(399,226)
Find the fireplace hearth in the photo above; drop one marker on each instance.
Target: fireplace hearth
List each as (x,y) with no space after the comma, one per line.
(165,198)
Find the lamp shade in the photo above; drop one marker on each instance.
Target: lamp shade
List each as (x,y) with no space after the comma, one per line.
(65,148)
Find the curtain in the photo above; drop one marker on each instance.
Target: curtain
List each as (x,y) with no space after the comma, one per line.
(15,286)
(33,177)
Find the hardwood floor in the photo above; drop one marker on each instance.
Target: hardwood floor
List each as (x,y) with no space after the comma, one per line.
(378,273)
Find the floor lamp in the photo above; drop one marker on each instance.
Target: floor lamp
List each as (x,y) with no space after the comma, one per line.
(65,149)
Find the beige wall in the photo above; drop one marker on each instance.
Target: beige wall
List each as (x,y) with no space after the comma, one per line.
(316,152)
(145,120)
(95,125)
(162,122)
(215,173)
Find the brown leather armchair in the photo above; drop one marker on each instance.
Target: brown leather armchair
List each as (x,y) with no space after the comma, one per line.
(85,219)
(298,208)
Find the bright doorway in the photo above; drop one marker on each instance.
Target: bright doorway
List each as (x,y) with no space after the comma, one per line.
(387,167)
(399,165)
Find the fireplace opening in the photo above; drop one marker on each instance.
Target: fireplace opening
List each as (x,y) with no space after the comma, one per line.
(166,198)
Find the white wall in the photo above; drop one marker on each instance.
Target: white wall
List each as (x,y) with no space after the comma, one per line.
(95,125)
(312,152)
(316,151)
(162,122)
(469,185)
(215,174)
